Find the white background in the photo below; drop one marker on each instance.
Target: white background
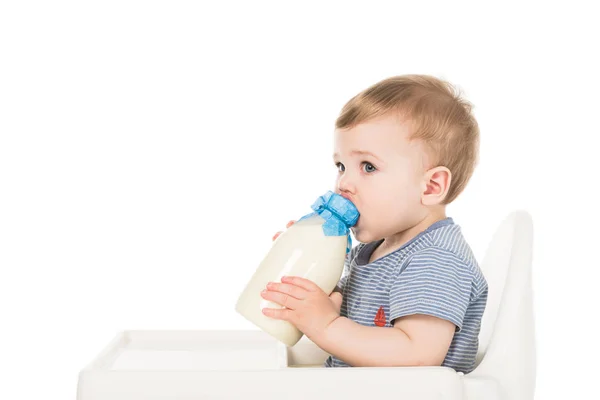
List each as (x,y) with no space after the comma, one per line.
(150,150)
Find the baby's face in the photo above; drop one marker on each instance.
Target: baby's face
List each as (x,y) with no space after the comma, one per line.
(381,172)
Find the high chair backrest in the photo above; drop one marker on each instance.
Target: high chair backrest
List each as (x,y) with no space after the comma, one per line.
(506,340)
(495,266)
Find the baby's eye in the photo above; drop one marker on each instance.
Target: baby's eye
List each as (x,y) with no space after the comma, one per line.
(340,166)
(369,167)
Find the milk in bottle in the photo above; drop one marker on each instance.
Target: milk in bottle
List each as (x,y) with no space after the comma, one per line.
(313,248)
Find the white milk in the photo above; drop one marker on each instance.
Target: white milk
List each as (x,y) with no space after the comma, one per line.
(302,250)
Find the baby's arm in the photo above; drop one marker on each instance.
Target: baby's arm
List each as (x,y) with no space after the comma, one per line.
(412,341)
(428,301)
(336,295)
(336,298)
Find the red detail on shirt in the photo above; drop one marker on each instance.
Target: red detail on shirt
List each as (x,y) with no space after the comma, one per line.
(380,317)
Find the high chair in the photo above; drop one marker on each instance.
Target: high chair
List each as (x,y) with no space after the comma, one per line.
(250,364)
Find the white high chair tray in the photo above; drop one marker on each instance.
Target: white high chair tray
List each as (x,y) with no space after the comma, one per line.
(243,364)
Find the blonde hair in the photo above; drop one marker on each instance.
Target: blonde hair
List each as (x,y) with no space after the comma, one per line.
(437,114)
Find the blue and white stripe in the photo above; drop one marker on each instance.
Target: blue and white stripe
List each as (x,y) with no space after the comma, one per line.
(435,273)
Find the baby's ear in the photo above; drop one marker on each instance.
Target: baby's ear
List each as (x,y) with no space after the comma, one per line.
(435,186)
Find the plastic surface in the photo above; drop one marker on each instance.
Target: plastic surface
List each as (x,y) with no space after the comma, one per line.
(251,364)
(242,365)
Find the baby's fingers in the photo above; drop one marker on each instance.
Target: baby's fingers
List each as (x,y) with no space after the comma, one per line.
(292,222)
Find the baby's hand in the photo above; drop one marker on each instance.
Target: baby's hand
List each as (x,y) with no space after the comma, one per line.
(287,226)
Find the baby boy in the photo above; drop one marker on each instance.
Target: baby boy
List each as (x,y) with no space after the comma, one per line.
(412,293)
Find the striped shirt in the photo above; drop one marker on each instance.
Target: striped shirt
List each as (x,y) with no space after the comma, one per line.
(435,273)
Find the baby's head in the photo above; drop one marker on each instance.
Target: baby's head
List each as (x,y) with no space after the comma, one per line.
(405,148)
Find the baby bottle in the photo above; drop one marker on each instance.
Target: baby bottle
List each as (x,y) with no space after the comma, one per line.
(313,248)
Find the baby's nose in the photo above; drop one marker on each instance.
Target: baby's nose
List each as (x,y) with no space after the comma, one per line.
(345,184)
